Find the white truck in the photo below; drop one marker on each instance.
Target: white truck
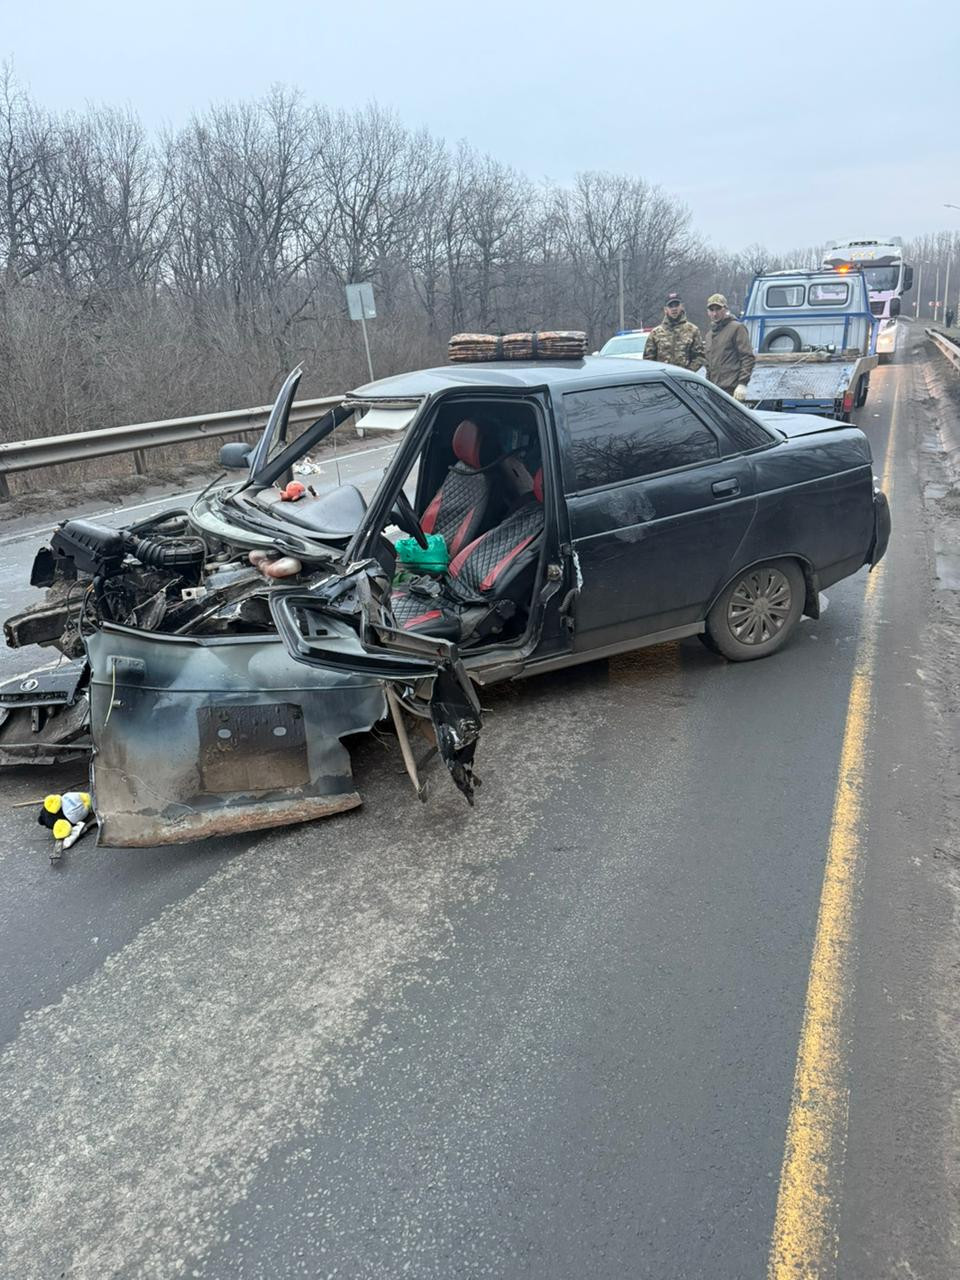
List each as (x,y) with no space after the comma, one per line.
(888,279)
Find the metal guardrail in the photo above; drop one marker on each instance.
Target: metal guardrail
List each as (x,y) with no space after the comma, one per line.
(949,349)
(51,451)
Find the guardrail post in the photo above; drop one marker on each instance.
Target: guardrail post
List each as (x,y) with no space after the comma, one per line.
(4,486)
(140,462)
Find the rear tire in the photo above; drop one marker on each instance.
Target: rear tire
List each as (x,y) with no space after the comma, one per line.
(863,389)
(755,614)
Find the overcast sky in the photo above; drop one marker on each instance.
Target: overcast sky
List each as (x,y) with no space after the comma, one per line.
(783,122)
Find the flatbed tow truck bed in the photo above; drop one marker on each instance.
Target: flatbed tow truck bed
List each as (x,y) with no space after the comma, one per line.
(790,381)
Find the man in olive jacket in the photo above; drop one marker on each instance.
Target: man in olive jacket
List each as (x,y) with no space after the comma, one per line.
(675,340)
(730,357)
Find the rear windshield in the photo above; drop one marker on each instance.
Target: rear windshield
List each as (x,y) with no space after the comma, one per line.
(834,294)
(783,295)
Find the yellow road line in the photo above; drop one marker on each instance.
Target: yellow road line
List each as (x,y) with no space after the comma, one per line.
(805,1236)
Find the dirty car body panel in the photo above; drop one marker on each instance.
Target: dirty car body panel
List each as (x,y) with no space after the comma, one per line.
(217,736)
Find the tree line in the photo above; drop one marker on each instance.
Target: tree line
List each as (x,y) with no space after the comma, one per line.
(148,276)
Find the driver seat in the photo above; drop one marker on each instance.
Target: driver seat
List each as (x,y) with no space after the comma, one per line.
(462,506)
(484,584)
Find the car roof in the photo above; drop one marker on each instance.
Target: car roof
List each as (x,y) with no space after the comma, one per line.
(559,375)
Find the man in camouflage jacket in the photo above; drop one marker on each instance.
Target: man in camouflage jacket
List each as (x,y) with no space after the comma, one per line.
(730,357)
(675,340)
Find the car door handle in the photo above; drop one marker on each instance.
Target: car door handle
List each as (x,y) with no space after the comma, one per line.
(726,488)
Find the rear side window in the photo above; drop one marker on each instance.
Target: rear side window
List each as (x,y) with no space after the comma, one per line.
(834,294)
(739,426)
(783,295)
(622,433)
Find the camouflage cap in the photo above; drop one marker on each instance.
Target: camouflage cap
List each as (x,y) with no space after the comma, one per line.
(716,300)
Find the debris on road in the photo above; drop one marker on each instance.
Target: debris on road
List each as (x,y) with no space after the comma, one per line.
(67,817)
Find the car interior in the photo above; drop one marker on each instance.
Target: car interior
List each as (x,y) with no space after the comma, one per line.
(480,486)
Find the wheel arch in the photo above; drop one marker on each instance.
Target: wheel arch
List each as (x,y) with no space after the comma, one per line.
(811,601)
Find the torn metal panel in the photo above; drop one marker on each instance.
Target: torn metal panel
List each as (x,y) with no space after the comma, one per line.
(213,737)
(43,716)
(401,658)
(44,735)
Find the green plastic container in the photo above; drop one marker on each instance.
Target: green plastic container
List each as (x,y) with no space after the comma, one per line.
(433,558)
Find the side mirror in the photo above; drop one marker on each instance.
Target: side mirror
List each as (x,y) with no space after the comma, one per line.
(907,279)
(235,455)
(894,306)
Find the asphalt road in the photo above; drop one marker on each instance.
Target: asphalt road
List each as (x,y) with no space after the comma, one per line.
(556,1035)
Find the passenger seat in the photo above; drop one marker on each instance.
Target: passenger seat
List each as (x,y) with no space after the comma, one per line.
(464,504)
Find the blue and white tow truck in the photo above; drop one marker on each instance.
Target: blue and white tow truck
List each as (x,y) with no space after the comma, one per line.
(816,342)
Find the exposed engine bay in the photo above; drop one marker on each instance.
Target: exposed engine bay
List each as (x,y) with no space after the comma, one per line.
(158,575)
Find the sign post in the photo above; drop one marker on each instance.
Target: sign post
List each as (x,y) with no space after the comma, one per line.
(361,306)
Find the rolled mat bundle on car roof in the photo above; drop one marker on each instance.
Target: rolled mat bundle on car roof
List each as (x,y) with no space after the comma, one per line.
(552,344)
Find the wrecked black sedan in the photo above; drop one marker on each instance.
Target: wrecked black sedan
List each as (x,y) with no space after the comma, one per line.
(535,515)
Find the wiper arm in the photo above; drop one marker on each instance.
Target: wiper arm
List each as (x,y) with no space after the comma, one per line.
(239,513)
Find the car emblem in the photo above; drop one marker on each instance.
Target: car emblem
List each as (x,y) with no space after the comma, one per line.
(28,686)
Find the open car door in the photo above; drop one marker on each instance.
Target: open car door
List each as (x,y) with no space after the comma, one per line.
(423,673)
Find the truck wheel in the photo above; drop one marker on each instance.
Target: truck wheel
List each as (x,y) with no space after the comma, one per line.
(863,387)
(781,340)
(754,615)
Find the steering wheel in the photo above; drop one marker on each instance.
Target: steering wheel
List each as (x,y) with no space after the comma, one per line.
(408,521)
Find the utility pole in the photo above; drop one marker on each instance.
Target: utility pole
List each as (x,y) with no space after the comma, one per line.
(936,297)
(916,305)
(946,291)
(620,273)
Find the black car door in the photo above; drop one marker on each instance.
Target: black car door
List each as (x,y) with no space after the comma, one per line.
(658,507)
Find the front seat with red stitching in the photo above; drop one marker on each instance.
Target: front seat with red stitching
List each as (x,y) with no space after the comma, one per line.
(485,582)
(463,504)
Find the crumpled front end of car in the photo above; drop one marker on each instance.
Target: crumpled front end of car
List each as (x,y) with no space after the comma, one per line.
(217,737)
(199,722)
